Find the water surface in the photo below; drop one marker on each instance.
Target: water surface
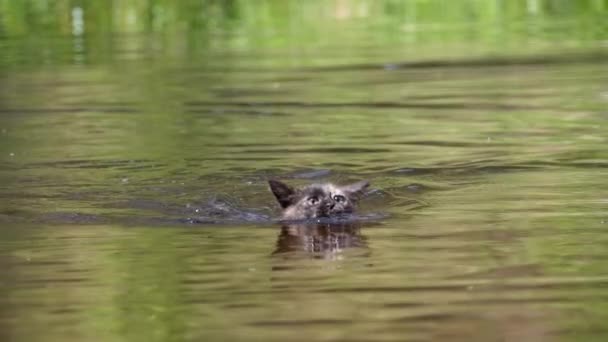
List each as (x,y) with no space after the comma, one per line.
(134,202)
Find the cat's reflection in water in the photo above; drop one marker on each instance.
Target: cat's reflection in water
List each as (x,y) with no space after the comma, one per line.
(319,240)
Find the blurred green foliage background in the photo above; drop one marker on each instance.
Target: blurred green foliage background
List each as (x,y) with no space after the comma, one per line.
(199,26)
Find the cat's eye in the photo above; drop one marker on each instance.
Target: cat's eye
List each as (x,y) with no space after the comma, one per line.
(339,198)
(313,200)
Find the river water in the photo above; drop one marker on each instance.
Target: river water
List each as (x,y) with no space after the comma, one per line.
(134,202)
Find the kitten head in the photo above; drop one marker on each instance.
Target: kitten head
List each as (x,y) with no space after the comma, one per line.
(317,200)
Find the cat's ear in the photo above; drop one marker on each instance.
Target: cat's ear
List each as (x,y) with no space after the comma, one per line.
(355,189)
(284,193)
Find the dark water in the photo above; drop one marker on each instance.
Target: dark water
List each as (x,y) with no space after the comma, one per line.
(134,204)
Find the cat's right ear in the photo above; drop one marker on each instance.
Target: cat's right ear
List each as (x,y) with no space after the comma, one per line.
(356,189)
(284,193)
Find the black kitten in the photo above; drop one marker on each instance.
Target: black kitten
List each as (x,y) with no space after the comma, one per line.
(317,200)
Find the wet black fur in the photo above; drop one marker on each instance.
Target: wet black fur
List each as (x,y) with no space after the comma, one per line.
(317,200)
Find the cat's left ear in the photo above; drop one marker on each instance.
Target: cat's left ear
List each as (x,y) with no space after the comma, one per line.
(283,192)
(355,189)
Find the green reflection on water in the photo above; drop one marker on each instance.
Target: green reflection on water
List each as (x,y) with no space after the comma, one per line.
(160,103)
(186,28)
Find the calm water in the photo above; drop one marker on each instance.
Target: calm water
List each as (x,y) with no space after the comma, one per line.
(134,204)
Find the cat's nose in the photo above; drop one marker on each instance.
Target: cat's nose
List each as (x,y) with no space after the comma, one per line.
(330,205)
